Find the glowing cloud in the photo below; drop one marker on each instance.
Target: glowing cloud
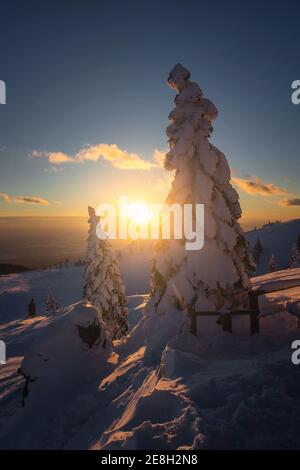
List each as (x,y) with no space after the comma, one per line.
(255,185)
(290,202)
(55,158)
(119,158)
(23,199)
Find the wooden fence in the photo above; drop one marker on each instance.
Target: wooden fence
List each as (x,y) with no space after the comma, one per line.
(225,320)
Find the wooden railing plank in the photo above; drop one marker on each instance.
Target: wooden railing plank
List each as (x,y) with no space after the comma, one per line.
(225,319)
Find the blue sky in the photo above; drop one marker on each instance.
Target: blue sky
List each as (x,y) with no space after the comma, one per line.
(91,72)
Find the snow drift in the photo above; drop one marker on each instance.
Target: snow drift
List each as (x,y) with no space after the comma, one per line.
(69,353)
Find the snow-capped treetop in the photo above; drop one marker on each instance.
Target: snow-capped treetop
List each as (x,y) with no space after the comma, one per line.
(178,77)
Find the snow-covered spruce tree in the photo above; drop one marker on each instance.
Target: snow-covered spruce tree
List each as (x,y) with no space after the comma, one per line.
(216,277)
(272,263)
(294,260)
(103,285)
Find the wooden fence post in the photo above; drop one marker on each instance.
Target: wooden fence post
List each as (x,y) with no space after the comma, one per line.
(254,306)
(193,318)
(227,322)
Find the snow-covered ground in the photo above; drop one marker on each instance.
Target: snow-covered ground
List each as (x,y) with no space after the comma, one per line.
(212,391)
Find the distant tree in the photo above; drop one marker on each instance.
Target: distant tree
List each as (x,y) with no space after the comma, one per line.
(31,308)
(51,304)
(298,242)
(294,260)
(79,262)
(272,264)
(257,251)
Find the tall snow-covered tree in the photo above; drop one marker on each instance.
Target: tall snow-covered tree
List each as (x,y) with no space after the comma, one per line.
(103,286)
(216,277)
(294,260)
(272,263)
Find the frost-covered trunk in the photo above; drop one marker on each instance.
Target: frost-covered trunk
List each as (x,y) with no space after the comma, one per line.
(216,277)
(103,285)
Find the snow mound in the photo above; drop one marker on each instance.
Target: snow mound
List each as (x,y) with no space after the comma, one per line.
(68,354)
(73,347)
(210,398)
(278,280)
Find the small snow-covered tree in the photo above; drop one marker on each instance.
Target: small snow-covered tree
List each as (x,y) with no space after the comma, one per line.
(294,260)
(51,304)
(103,286)
(272,263)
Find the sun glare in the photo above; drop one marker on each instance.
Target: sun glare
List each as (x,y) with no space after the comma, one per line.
(138,212)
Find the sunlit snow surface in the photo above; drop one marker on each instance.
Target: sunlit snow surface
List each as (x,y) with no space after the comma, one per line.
(214,391)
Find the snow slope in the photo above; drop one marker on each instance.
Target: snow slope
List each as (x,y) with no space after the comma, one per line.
(277,238)
(61,362)
(135,265)
(16,290)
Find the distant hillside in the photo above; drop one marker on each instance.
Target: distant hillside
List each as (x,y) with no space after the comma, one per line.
(135,264)
(277,238)
(12,268)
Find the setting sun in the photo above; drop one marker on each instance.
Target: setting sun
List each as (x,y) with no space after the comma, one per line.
(138,212)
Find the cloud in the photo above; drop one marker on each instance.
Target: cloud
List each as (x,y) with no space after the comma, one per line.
(290,202)
(159,156)
(119,158)
(5,197)
(31,200)
(55,158)
(254,185)
(24,199)
(53,169)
